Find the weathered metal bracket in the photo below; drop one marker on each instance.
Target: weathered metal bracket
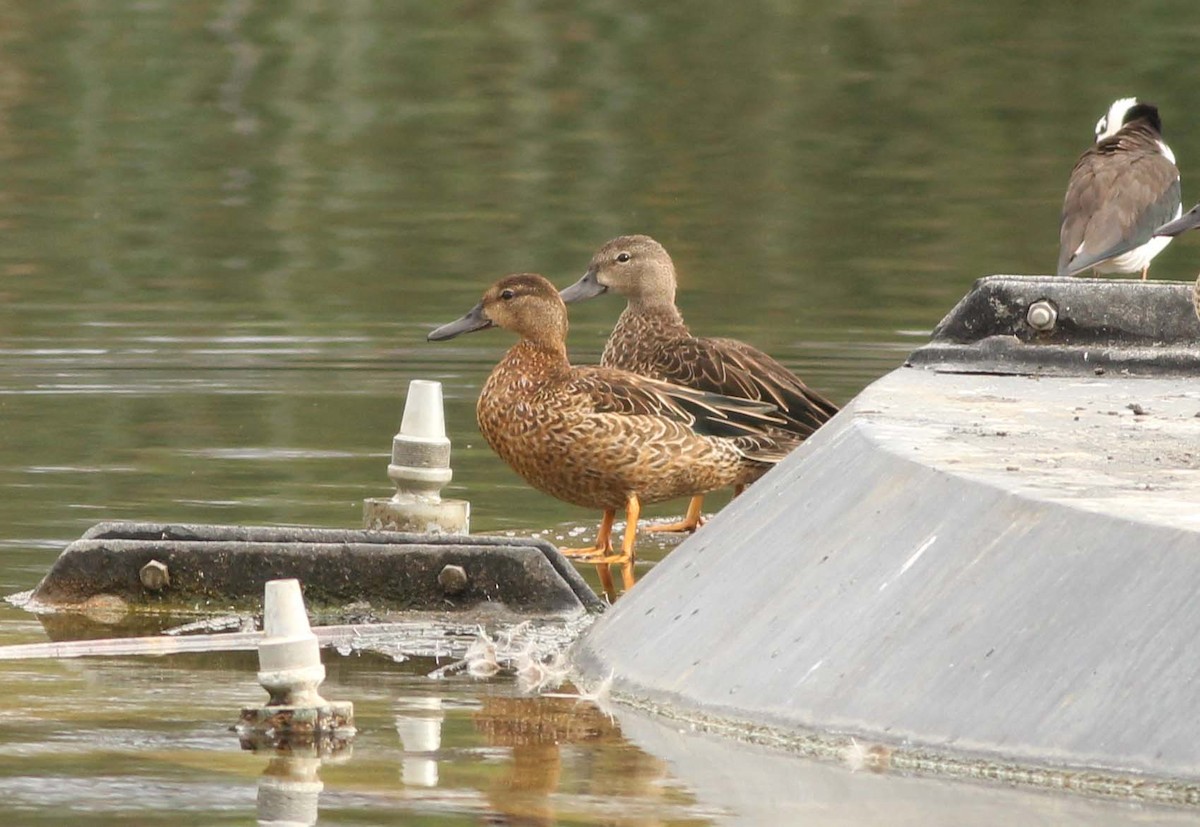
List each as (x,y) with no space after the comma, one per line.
(1048,325)
(197,566)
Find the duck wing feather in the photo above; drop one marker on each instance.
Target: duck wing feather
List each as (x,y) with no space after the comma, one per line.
(733,368)
(613,391)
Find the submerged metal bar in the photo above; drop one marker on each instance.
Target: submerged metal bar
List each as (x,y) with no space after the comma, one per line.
(417,638)
(119,647)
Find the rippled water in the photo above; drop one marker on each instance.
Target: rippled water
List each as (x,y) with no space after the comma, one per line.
(229,225)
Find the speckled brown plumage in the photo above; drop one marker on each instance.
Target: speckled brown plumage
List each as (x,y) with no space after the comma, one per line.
(651,338)
(601,437)
(593,436)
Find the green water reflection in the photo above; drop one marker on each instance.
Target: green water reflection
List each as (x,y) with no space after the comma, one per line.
(434,752)
(228,226)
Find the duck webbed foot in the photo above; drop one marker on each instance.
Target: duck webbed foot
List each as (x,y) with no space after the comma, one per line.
(690,522)
(601,555)
(603,544)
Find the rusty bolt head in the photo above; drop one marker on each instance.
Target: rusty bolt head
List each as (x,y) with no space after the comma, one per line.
(453,579)
(155,576)
(1042,315)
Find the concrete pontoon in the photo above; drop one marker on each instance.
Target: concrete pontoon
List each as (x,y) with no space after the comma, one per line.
(988,563)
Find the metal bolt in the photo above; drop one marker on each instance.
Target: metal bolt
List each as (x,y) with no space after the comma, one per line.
(1042,315)
(453,579)
(155,576)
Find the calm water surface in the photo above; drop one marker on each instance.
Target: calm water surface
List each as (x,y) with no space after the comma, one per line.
(229,225)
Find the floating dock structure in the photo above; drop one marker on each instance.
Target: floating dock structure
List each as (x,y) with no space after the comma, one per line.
(988,561)
(986,565)
(219,567)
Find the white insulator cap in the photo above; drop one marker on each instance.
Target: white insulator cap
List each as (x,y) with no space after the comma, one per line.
(420,464)
(289,656)
(423,415)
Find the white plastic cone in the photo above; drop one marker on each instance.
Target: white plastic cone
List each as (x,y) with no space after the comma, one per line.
(423,415)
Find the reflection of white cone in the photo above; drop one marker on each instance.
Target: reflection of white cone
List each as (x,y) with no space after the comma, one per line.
(289,657)
(419,771)
(420,735)
(288,793)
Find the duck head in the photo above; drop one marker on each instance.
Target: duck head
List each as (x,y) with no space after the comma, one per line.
(525,303)
(635,266)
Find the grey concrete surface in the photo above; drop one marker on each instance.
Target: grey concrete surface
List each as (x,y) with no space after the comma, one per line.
(995,566)
(744,784)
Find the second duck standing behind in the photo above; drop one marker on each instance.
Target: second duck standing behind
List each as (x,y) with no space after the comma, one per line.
(650,338)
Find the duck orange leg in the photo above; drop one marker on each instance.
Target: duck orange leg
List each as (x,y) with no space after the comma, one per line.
(633,510)
(690,522)
(606,583)
(603,543)
(626,558)
(602,547)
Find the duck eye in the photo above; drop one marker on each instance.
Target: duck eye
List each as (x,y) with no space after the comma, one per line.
(507,294)
(623,257)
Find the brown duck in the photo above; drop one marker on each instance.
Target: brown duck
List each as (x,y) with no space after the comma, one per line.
(601,437)
(651,339)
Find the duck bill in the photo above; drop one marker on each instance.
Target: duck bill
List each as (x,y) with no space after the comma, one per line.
(1190,220)
(587,287)
(474,320)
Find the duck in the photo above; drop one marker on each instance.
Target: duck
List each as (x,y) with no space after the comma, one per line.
(600,437)
(1190,220)
(651,338)
(1122,187)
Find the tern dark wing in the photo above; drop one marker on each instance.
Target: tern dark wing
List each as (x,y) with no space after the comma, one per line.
(1190,220)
